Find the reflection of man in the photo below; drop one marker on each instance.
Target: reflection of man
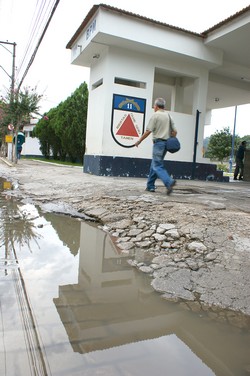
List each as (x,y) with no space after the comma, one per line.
(162,127)
(240,161)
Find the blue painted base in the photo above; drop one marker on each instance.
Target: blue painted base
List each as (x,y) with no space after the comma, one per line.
(139,167)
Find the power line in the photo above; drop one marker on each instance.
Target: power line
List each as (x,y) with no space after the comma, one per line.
(32,35)
(38,44)
(38,19)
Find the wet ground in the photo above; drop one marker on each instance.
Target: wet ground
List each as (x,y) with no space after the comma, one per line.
(72,305)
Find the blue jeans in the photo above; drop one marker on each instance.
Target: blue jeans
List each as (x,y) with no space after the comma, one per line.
(19,151)
(157,169)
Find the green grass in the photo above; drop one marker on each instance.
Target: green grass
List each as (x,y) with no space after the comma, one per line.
(67,163)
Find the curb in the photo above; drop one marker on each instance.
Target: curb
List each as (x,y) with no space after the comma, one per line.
(10,164)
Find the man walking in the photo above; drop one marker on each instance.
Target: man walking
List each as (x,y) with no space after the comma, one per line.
(162,127)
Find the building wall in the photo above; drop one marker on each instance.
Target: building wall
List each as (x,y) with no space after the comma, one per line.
(118,63)
(31,147)
(165,63)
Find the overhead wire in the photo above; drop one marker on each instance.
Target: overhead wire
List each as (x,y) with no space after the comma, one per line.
(51,13)
(33,32)
(40,17)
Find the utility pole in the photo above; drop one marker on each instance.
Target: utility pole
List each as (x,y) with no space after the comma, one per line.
(233,140)
(12,78)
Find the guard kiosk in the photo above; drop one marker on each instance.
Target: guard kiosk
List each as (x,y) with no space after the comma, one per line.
(132,61)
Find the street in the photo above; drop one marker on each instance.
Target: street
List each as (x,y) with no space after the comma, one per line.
(205,258)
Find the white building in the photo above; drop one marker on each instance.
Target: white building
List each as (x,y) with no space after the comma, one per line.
(133,60)
(31,147)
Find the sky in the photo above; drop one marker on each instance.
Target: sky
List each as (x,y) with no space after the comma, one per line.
(52,73)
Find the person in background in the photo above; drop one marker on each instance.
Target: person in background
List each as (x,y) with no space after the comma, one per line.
(159,125)
(20,142)
(239,169)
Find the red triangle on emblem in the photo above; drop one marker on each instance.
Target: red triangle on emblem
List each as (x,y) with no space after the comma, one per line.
(127,128)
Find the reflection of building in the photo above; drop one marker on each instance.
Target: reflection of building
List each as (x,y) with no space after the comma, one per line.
(71,237)
(107,299)
(114,306)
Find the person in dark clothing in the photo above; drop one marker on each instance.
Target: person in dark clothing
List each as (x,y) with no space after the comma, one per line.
(239,169)
(20,142)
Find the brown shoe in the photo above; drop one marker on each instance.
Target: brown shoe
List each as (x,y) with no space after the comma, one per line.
(170,189)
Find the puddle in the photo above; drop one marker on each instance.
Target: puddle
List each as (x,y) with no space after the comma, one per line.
(71,305)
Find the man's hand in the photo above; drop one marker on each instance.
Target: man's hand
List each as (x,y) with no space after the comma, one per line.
(173,133)
(137,143)
(145,135)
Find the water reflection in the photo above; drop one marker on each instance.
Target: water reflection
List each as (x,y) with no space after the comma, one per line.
(67,230)
(77,308)
(112,307)
(17,227)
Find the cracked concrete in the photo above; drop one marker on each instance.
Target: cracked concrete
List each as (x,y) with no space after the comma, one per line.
(194,244)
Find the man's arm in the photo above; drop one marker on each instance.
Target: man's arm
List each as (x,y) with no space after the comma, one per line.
(173,130)
(145,135)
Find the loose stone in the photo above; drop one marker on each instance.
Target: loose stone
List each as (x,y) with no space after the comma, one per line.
(126,245)
(146,269)
(197,247)
(167,226)
(144,244)
(172,233)
(166,245)
(192,265)
(210,257)
(134,232)
(159,237)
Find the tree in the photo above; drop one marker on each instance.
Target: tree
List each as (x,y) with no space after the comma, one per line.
(71,123)
(246,138)
(63,135)
(22,104)
(44,130)
(220,145)
(18,107)
(2,122)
